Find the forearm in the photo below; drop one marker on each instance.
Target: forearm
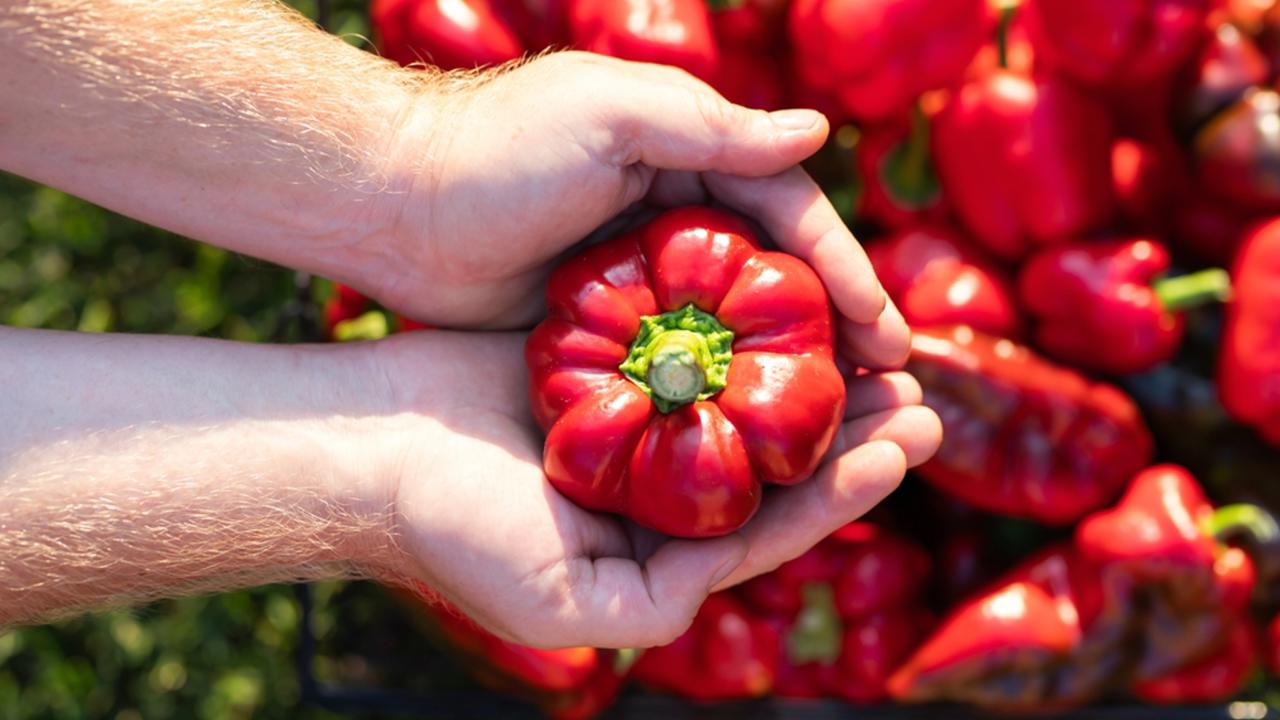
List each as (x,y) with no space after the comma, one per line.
(140,467)
(234,122)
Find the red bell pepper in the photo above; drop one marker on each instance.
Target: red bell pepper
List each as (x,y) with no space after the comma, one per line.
(1214,678)
(936,279)
(748,26)
(566,684)
(1105,307)
(1225,68)
(1140,180)
(750,79)
(1271,646)
(899,185)
(849,612)
(1021,435)
(669,32)
(1162,537)
(1249,362)
(877,56)
(1047,635)
(1237,154)
(1115,42)
(447,33)
(681,367)
(1023,161)
(728,653)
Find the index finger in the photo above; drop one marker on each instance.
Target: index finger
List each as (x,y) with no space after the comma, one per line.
(799,218)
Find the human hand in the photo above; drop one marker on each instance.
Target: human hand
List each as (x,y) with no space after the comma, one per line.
(514,172)
(477,520)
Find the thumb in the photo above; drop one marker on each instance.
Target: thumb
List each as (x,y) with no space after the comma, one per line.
(688,126)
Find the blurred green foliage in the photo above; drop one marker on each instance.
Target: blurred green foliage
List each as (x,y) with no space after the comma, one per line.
(70,265)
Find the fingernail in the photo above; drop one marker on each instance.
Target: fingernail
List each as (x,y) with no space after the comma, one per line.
(796,120)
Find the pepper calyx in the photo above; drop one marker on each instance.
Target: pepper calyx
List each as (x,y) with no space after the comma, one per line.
(679,357)
(817,633)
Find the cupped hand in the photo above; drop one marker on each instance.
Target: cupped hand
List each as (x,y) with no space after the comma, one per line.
(477,520)
(508,175)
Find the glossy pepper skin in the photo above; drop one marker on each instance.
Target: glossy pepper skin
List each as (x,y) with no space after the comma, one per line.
(936,278)
(1115,42)
(1024,161)
(1044,636)
(1021,435)
(668,32)
(756,346)
(1160,538)
(566,684)
(450,34)
(728,653)
(848,612)
(877,56)
(1248,374)
(1099,306)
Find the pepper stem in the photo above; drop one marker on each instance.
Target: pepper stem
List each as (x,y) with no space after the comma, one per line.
(906,169)
(1184,292)
(679,357)
(1243,520)
(817,633)
(1008,8)
(369,326)
(624,658)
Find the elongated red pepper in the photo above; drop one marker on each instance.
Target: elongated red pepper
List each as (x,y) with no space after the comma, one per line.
(1104,306)
(1023,161)
(877,56)
(447,33)
(566,684)
(1115,42)
(669,32)
(680,368)
(1214,678)
(728,653)
(1162,537)
(1046,635)
(1249,362)
(899,185)
(848,610)
(936,279)
(1021,435)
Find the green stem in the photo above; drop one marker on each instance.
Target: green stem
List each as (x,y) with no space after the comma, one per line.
(906,170)
(1008,9)
(624,658)
(817,633)
(679,357)
(1244,520)
(1184,292)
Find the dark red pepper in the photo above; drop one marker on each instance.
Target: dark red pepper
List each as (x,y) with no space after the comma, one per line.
(1249,363)
(749,26)
(1271,646)
(750,79)
(668,32)
(935,278)
(1021,435)
(848,611)
(1023,161)
(447,33)
(899,185)
(1107,307)
(1216,677)
(1115,42)
(878,56)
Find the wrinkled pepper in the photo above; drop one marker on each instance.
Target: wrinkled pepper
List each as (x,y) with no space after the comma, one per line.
(565,684)
(668,32)
(1021,435)
(680,368)
(1106,307)
(899,184)
(877,56)
(848,611)
(728,653)
(936,279)
(1045,636)
(447,33)
(1115,42)
(1248,374)
(1162,537)
(1214,678)
(1023,161)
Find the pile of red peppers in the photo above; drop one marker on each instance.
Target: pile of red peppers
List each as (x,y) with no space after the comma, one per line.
(1073,203)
